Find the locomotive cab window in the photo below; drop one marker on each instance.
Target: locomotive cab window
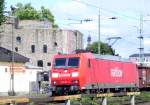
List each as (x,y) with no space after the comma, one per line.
(73,62)
(60,62)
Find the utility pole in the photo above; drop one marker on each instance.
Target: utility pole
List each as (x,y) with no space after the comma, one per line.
(12,22)
(141,49)
(12,71)
(99,32)
(12,91)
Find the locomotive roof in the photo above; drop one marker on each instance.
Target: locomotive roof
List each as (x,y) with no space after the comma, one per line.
(110,57)
(106,57)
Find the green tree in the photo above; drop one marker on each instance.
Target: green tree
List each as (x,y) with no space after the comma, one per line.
(28,12)
(46,13)
(105,48)
(2,17)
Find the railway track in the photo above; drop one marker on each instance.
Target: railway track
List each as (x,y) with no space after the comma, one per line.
(46,99)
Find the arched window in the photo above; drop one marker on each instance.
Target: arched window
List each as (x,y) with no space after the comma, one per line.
(18,39)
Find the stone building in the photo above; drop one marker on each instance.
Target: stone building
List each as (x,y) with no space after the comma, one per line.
(38,41)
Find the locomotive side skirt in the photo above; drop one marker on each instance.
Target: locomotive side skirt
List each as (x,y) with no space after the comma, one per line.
(102,86)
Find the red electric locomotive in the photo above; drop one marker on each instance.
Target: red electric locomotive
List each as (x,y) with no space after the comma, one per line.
(87,72)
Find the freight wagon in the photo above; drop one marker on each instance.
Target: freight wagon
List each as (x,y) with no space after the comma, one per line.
(144,77)
(87,72)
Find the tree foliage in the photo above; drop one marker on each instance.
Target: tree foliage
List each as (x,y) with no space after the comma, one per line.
(28,12)
(2,17)
(105,48)
(46,13)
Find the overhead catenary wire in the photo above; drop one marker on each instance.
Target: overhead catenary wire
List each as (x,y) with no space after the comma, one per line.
(131,42)
(106,10)
(110,11)
(119,14)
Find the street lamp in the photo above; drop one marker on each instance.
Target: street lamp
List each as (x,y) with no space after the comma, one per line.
(12,22)
(12,92)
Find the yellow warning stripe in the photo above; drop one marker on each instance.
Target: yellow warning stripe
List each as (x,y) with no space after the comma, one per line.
(5,100)
(133,93)
(14,100)
(58,98)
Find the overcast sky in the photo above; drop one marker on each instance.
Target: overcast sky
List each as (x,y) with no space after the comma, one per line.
(126,25)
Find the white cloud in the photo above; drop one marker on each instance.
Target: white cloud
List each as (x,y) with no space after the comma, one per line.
(69,8)
(147,42)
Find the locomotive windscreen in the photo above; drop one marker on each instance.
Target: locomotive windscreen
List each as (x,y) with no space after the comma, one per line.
(73,62)
(60,62)
(67,62)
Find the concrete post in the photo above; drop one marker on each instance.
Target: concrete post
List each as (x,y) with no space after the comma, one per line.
(104,101)
(67,102)
(132,100)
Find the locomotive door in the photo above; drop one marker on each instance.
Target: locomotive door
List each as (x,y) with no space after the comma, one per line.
(93,65)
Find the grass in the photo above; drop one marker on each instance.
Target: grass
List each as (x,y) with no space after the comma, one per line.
(125,100)
(143,97)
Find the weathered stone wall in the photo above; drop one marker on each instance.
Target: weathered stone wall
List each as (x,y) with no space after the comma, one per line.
(56,40)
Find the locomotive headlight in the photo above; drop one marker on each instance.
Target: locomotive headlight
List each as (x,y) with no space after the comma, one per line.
(75,74)
(55,75)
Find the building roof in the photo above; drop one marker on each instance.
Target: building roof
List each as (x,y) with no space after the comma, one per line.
(6,56)
(137,55)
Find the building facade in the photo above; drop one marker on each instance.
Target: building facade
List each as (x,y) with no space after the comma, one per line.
(145,59)
(11,67)
(38,41)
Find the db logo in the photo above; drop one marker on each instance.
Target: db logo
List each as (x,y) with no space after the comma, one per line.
(116,72)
